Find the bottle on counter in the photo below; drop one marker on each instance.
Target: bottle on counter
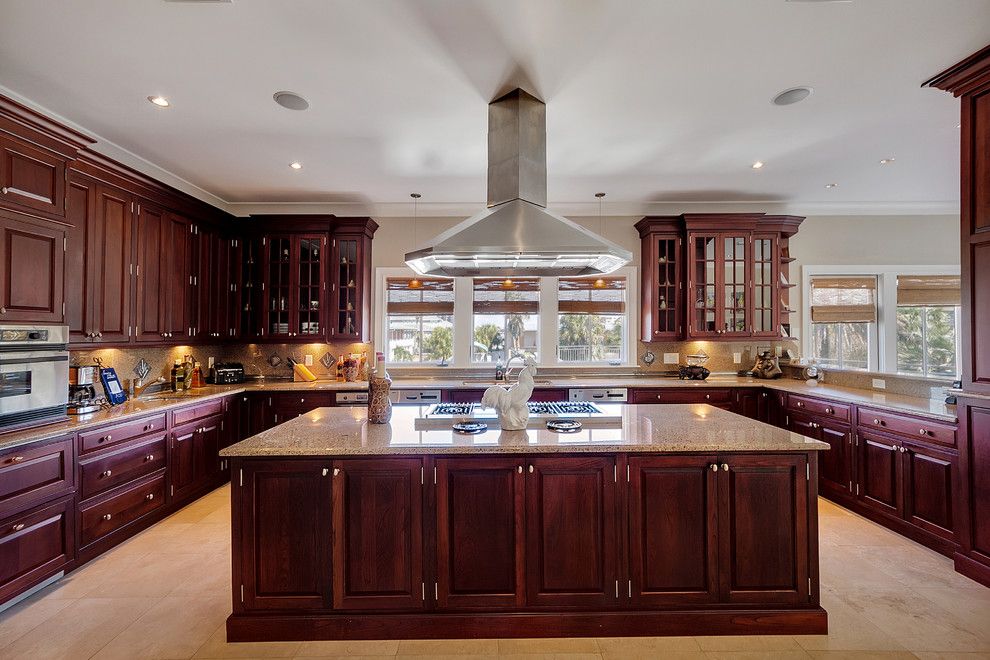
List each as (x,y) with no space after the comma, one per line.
(189,366)
(197,375)
(379,386)
(340,369)
(178,376)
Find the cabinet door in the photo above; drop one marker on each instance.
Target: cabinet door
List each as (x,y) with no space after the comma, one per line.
(879,473)
(234,297)
(204,297)
(704,262)
(765,286)
(208,449)
(35,545)
(252,302)
(664,320)
(110,250)
(673,527)
(182,461)
(571,535)
(480,507)
(378,534)
(178,275)
(32,261)
(310,287)
(283,500)
(735,284)
(31,179)
(347,269)
(277,287)
(81,216)
(151,323)
(835,466)
(928,492)
(763,529)
(753,403)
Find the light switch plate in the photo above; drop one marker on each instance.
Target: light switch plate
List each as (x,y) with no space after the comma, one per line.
(308,360)
(737,358)
(210,361)
(879,384)
(671,358)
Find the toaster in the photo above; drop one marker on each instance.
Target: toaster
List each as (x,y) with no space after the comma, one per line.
(226,373)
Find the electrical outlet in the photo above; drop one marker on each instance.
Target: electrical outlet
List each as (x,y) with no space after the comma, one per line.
(737,358)
(308,360)
(671,358)
(879,384)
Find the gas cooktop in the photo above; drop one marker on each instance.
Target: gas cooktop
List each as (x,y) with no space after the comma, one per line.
(442,415)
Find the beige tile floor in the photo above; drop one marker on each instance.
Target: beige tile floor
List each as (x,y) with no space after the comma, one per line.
(165,594)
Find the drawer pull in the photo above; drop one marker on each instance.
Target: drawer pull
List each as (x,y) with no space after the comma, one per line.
(149,427)
(902,449)
(828,411)
(725,467)
(18,527)
(924,432)
(708,396)
(658,396)
(336,471)
(714,467)
(149,457)
(16,459)
(519,469)
(107,516)
(106,438)
(531,469)
(106,473)
(800,404)
(878,421)
(149,496)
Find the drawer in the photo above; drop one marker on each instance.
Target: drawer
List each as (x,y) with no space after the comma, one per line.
(292,405)
(715,397)
(909,426)
(810,406)
(34,546)
(98,519)
(108,436)
(33,473)
(108,470)
(192,413)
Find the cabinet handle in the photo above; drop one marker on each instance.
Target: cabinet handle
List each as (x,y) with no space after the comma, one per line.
(106,438)
(18,527)
(16,459)
(714,467)
(658,397)
(107,516)
(3,310)
(519,469)
(149,496)
(725,467)
(149,457)
(148,427)
(878,422)
(924,431)
(800,404)
(336,471)
(764,395)
(3,190)
(531,469)
(106,473)
(902,449)
(708,396)
(828,411)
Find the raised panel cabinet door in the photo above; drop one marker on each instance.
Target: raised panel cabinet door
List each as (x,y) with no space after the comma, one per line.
(974,468)
(178,276)
(80,213)
(151,290)
(183,448)
(208,448)
(284,512)
(571,532)
(673,530)
(835,465)
(480,515)
(378,534)
(31,179)
(204,296)
(110,247)
(32,263)
(35,545)
(763,529)
(879,470)
(928,492)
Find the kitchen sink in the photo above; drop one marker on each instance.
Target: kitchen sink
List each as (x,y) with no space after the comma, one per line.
(490,381)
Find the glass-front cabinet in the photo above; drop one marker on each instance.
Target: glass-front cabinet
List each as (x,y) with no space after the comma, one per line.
(295,278)
(766,296)
(351,280)
(719,285)
(662,291)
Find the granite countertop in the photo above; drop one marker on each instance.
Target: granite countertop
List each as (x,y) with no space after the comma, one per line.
(933,408)
(161,402)
(643,428)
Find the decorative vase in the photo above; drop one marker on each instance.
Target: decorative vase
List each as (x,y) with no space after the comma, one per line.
(351,370)
(379,405)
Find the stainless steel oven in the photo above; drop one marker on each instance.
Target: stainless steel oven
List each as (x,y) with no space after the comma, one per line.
(34,374)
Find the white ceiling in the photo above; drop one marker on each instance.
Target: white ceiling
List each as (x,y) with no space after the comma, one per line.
(654,102)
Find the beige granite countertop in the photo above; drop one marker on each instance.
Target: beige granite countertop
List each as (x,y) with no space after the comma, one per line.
(643,428)
(161,402)
(934,408)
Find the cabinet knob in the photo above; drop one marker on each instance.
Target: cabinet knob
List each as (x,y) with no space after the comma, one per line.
(903,449)
(149,496)
(725,467)
(531,469)
(16,528)
(16,459)
(106,438)
(302,400)
(714,467)
(828,411)
(924,431)
(3,310)
(149,457)
(107,516)
(658,396)
(519,469)
(99,334)
(336,471)
(708,396)
(106,473)
(4,190)
(800,404)
(878,421)
(764,395)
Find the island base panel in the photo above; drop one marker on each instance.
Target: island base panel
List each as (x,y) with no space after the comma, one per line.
(262,628)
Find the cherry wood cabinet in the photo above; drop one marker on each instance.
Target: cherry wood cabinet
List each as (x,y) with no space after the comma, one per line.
(151,320)
(283,529)
(835,466)
(928,488)
(351,280)
(31,179)
(755,403)
(662,290)
(378,534)
(35,545)
(34,473)
(480,529)
(193,460)
(217,299)
(32,263)
(294,286)
(879,472)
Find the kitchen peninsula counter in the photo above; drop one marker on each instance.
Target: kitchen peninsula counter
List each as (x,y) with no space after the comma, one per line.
(677,520)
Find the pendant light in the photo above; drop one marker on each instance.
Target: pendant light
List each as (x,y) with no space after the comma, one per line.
(600,283)
(415,282)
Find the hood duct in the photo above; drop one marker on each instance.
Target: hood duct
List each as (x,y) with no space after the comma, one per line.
(516,236)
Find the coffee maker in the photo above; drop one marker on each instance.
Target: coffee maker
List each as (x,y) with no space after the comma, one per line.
(83,398)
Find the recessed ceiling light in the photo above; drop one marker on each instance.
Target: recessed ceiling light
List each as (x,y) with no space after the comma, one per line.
(160,101)
(290,100)
(831,185)
(886,161)
(296,165)
(757,165)
(792,95)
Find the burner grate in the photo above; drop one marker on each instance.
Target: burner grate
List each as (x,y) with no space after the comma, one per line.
(545,408)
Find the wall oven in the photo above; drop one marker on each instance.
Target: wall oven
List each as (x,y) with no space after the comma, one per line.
(34,374)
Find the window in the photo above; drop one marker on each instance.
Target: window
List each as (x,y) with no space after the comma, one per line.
(591,319)
(419,320)
(506,319)
(843,317)
(928,325)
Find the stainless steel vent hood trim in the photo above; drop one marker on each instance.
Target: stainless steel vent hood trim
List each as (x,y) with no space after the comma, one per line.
(516,235)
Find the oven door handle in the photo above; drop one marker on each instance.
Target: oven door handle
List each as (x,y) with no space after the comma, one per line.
(35,360)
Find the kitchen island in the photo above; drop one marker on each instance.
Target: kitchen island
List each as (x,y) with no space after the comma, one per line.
(661,520)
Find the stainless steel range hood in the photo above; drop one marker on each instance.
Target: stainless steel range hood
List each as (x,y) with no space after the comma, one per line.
(516,236)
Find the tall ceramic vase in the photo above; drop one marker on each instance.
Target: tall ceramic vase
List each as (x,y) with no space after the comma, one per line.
(379,405)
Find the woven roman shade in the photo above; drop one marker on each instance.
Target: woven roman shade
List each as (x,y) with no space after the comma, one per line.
(844,299)
(504,296)
(928,290)
(407,295)
(605,295)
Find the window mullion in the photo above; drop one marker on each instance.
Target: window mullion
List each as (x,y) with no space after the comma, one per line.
(547,332)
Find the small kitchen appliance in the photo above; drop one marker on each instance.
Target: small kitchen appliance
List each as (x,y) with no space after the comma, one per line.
(83,398)
(226,373)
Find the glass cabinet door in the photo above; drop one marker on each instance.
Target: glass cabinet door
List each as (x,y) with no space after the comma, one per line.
(348,271)
(279,285)
(734,284)
(704,251)
(667,283)
(764,278)
(309,285)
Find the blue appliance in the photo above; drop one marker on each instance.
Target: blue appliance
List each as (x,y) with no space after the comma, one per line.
(111,385)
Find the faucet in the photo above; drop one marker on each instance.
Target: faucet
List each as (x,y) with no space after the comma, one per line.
(509,362)
(140,387)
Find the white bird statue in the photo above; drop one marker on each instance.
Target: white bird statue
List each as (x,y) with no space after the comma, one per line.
(510,404)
